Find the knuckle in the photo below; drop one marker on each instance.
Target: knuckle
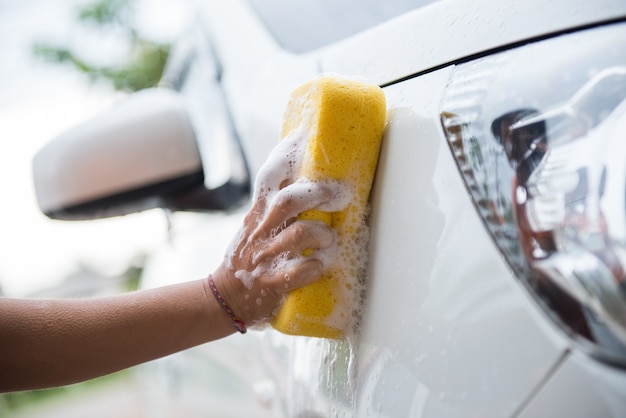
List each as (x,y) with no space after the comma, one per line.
(298,232)
(284,205)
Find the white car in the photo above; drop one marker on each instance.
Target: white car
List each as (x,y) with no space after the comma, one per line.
(496,281)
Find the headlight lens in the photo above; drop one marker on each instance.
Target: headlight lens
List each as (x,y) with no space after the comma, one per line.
(539,135)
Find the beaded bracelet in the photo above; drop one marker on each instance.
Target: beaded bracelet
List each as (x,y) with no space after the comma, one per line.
(237,323)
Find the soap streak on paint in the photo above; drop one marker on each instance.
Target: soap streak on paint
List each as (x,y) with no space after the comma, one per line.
(324,367)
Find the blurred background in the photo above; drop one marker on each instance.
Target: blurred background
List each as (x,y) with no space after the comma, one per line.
(62,62)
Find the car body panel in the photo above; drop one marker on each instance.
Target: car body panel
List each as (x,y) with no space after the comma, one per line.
(448,31)
(581,387)
(441,300)
(258,75)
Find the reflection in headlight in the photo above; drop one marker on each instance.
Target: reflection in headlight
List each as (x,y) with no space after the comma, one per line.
(548,176)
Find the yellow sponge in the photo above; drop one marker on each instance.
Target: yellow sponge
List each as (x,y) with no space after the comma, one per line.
(344,120)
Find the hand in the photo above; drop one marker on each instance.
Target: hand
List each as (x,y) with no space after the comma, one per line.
(266,259)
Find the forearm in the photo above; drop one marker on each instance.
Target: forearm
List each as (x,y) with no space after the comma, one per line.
(46,343)
(55,342)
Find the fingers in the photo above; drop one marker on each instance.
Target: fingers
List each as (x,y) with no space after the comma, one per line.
(255,305)
(275,283)
(296,238)
(280,167)
(295,277)
(299,197)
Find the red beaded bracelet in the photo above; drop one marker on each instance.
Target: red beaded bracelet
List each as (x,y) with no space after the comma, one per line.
(237,323)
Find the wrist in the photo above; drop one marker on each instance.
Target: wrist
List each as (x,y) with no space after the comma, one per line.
(237,322)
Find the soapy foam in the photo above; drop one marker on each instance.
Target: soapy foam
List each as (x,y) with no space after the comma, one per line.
(350,267)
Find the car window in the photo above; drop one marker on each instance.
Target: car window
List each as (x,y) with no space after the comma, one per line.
(304,25)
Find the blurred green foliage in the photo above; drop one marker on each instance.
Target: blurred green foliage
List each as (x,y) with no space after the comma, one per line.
(107,12)
(16,401)
(144,65)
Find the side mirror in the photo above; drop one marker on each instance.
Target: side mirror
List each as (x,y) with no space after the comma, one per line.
(139,155)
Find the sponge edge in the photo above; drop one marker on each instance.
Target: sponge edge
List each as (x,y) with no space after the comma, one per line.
(342,120)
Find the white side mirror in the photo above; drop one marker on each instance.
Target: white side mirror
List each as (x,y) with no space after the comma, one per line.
(139,155)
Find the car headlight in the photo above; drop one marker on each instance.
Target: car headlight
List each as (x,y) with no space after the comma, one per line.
(539,136)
